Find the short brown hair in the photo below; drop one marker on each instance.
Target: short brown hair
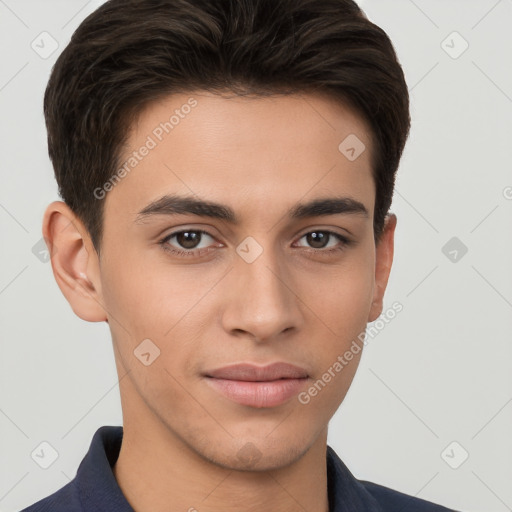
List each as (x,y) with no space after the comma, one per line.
(128,53)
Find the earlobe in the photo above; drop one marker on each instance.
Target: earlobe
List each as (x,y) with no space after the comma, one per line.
(74,261)
(383,262)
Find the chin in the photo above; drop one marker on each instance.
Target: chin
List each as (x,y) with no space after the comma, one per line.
(257,455)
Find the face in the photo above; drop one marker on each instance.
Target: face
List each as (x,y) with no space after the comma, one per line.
(256,280)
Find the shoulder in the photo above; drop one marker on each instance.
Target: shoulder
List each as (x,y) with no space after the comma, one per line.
(391,500)
(64,499)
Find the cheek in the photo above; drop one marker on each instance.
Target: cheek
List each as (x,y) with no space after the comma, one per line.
(340,303)
(145,295)
(166,305)
(342,297)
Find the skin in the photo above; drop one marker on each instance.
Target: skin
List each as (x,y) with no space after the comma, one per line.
(260,156)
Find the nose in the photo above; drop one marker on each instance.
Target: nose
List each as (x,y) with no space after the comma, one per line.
(261,302)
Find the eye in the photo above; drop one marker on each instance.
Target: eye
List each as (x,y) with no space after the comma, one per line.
(319,240)
(188,239)
(189,242)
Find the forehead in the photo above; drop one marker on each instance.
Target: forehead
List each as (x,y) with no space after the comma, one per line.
(235,121)
(252,152)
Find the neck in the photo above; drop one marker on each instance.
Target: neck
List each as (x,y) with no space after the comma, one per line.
(159,472)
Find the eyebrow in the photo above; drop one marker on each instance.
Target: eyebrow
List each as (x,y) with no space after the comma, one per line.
(176,205)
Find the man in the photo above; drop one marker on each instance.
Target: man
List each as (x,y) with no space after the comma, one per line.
(227,169)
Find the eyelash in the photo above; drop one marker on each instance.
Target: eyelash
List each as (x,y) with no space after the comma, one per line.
(345,242)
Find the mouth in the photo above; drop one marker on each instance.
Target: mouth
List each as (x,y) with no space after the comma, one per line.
(257,386)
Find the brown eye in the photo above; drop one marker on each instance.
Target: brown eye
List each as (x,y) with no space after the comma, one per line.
(320,239)
(317,239)
(188,239)
(187,242)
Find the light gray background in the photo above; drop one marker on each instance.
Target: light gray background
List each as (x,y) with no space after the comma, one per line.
(438,373)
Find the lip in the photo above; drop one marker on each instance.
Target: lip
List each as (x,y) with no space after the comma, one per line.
(258,386)
(252,373)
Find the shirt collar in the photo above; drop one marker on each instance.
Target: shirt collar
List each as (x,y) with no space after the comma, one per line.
(346,493)
(98,489)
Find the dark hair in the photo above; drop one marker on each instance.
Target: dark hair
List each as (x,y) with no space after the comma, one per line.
(129,53)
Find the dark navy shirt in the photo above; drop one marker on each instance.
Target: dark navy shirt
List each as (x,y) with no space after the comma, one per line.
(95,489)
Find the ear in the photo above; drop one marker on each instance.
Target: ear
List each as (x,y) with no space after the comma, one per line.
(74,261)
(383,262)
